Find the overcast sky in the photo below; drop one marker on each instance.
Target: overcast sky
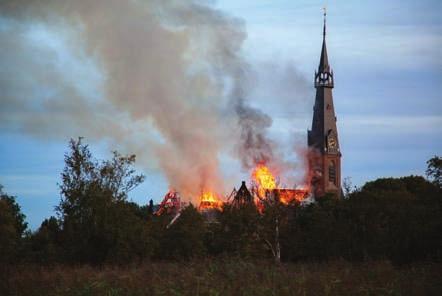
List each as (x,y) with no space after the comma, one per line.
(387,60)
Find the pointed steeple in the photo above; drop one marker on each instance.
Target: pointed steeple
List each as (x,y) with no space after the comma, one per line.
(323,141)
(323,62)
(324,76)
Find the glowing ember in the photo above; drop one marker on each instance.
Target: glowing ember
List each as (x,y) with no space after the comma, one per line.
(287,196)
(264,179)
(210,201)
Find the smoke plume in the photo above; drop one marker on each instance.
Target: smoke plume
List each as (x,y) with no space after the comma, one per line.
(153,77)
(254,147)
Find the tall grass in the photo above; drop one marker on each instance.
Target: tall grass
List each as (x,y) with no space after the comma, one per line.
(226,277)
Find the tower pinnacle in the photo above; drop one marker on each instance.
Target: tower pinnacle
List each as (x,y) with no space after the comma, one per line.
(323,62)
(325,20)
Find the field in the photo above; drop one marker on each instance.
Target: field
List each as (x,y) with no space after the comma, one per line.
(227,277)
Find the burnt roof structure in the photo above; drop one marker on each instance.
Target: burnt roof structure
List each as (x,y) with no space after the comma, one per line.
(242,196)
(171,204)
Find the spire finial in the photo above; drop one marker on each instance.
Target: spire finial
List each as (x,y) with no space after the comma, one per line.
(325,18)
(323,63)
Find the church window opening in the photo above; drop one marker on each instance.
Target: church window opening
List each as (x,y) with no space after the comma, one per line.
(332,172)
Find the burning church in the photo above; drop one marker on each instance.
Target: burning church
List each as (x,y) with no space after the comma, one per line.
(324,159)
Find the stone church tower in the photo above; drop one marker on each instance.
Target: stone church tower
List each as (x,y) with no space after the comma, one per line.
(323,142)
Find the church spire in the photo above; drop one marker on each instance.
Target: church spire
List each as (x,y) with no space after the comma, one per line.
(323,62)
(325,21)
(323,141)
(324,76)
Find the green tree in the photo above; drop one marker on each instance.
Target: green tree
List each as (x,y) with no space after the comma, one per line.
(45,244)
(129,234)
(12,228)
(272,226)
(394,218)
(95,216)
(315,231)
(434,170)
(238,231)
(183,239)
(397,218)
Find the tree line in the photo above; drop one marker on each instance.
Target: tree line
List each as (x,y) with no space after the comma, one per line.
(390,218)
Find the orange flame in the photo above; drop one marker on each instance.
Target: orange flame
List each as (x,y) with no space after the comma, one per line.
(264,179)
(287,196)
(209,200)
(266,183)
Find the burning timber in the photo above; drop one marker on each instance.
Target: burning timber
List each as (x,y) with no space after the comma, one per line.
(211,207)
(240,197)
(264,190)
(171,204)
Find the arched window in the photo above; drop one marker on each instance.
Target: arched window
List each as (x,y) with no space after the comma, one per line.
(332,172)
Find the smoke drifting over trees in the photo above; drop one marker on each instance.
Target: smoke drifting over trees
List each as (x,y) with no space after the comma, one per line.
(157,78)
(255,147)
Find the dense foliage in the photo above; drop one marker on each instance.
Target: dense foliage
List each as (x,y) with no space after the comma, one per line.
(398,219)
(434,170)
(394,218)
(12,228)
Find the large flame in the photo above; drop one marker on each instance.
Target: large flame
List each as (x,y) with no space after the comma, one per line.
(264,179)
(266,183)
(209,200)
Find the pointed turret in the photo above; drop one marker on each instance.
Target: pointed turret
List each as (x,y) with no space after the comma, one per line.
(324,76)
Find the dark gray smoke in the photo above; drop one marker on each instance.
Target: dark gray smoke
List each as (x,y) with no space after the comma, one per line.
(254,146)
(281,89)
